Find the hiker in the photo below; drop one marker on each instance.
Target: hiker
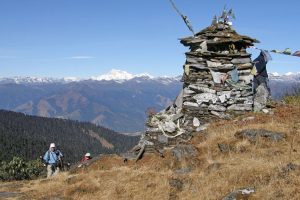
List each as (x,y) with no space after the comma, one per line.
(86,157)
(84,160)
(259,71)
(53,159)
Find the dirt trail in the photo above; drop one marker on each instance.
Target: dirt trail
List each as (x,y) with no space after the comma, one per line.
(10,190)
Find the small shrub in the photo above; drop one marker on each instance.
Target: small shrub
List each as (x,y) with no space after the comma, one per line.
(19,169)
(292,100)
(294,97)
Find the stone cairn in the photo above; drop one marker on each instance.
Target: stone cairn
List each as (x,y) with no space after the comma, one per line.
(217,84)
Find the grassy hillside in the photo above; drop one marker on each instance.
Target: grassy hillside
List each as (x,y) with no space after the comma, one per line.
(29,137)
(271,168)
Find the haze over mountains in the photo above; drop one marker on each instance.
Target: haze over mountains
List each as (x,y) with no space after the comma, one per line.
(117,100)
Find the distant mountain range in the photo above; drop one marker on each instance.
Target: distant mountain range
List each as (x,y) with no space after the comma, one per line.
(117,100)
(283,84)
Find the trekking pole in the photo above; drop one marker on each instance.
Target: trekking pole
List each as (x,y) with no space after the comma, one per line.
(185,18)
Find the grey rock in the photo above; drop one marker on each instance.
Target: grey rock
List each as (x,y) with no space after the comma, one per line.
(202,89)
(187,91)
(169,126)
(266,111)
(245,66)
(184,151)
(227,94)
(245,72)
(236,92)
(153,130)
(246,78)
(199,85)
(261,97)
(194,60)
(221,115)
(244,100)
(246,93)
(172,109)
(223,98)
(204,105)
(192,104)
(230,102)
(179,100)
(176,116)
(239,194)
(213,64)
(201,128)
(196,122)
(205,97)
(252,134)
(240,60)
(240,107)
(198,66)
(162,139)
(216,108)
(203,46)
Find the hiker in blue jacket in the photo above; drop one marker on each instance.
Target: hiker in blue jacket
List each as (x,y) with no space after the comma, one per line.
(53,159)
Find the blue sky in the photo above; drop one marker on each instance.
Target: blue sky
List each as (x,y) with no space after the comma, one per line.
(84,38)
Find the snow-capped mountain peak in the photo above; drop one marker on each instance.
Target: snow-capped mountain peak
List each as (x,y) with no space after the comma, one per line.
(119,75)
(29,80)
(275,74)
(72,79)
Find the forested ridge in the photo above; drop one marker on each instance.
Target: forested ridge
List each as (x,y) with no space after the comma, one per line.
(29,137)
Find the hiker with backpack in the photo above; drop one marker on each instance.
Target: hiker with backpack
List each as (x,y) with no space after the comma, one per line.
(53,160)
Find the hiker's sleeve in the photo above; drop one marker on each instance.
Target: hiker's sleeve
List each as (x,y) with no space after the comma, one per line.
(46,157)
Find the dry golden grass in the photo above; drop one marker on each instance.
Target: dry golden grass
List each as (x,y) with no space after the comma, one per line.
(262,165)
